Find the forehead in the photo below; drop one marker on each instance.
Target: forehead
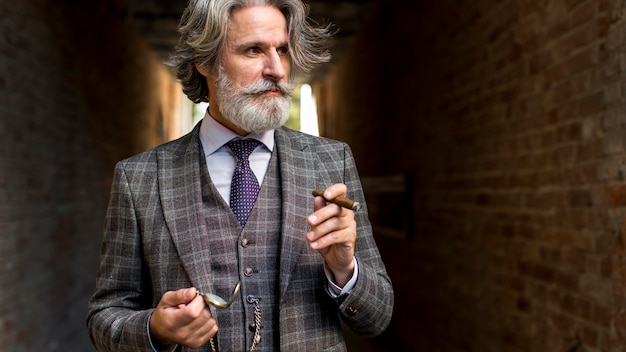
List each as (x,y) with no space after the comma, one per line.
(260,23)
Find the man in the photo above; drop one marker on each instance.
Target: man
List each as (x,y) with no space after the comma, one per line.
(302,262)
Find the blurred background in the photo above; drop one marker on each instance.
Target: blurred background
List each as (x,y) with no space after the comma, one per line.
(490,136)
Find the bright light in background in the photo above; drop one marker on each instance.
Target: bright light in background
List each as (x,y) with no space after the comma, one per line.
(199,112)
(308,111)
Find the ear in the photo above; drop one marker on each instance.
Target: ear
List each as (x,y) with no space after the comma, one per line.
(203,70)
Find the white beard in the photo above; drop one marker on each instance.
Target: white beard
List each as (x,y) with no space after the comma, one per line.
(245,108)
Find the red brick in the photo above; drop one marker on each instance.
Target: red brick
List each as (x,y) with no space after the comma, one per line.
(616,194)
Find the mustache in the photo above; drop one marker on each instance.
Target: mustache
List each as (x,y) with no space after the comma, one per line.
(264,85)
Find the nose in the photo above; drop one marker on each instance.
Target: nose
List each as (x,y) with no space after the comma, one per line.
(276,66)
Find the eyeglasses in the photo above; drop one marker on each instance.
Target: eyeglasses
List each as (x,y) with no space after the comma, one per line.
(218,301)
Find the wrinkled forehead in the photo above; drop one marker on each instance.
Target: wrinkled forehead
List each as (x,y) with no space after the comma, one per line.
(259,23)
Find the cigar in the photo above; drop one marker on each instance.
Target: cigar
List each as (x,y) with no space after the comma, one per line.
(340,201)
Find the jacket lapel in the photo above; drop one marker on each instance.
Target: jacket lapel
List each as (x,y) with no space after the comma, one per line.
(297,171)
(181,196)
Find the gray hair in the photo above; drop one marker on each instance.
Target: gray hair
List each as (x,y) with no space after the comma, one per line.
(203,28)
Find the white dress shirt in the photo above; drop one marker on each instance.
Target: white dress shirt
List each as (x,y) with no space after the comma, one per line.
(221,160)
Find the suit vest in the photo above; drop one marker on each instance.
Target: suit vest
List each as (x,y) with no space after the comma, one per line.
(251,255)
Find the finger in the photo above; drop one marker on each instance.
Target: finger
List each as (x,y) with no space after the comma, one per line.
(329,219)
(197,333)
(318,203)
(322,225)
(342,237)
(201,335)
(201,325)
(328,212)
(197,304)
(331,231)
(336,190)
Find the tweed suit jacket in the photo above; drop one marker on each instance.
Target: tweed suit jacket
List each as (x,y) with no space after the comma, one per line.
(155,241)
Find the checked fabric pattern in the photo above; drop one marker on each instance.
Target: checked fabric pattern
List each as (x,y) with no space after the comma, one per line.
(181,227)
(244,187)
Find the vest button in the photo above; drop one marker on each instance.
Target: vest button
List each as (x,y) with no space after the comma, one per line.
(248,272)
(244,242)
(252,327)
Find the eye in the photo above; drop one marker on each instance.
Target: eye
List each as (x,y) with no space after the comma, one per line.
(253,50)
(283,50)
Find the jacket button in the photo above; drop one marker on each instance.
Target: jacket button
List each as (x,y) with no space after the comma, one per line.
(352,311)
(248,272)
(244,242)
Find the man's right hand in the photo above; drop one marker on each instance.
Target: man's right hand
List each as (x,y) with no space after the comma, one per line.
(182,318)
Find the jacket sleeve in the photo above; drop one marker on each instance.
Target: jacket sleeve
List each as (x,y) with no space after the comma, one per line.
(368,308)
(119,310)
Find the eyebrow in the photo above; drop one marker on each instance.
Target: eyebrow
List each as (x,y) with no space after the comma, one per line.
(259,44)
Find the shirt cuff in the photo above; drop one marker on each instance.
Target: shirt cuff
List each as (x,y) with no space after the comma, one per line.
(333,289)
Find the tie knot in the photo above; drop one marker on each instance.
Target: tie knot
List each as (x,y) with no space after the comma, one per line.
(243,147)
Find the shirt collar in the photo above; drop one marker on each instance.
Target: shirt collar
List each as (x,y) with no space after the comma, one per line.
(214,135)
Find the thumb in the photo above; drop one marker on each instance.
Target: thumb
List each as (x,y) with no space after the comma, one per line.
(182,296)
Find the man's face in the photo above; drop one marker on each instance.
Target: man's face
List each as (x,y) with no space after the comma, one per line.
(251,82)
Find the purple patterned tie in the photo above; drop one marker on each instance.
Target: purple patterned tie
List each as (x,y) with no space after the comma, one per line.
(244,187)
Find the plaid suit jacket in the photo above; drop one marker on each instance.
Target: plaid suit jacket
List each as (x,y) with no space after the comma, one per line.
(154,242)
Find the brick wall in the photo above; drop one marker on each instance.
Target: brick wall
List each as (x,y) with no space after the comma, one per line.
(511,117)
(78,91)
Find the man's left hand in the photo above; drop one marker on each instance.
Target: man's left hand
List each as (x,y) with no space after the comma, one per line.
(333,233)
